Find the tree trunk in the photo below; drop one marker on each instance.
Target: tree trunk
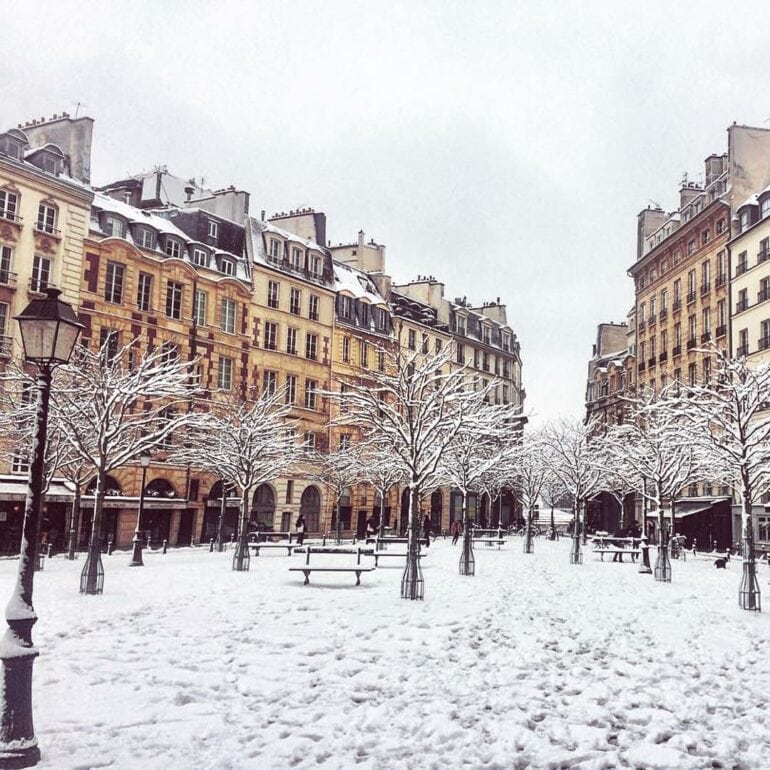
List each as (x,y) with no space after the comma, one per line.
(749,595)
(242,558)
(74,528)
(575,556)
(467,559)
(92,576)
(412,584)
(221,522)
(529,545)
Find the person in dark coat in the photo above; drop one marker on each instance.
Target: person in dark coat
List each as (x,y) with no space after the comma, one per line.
(455,529)
(300,527)
(426,525)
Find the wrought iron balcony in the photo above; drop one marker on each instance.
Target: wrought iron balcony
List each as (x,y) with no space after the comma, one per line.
(690,297)
(691,343)
(677,351)
(721,330)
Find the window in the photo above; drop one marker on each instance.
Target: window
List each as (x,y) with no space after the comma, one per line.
(289,490)
(460,354)
(311,386)
(41,273)
(200,257)
(346,349)
(691,246)
(173,247)
(721,313)
(291,388)
(46,218)
(705,273)
(437,345)
(9,204)
(664,301)
(344,441)
(109,344)
(113,283)
(764,208)
(485,334)
(677,290)
(653,302)
(296,258)
(144,292)
(642,313)
(380,318)
(3,327)
(270,383)
(720,266)
(169,352)
(743,342)
(275,248)
(295,301)
(692,323)
(345,306)
(271,336)
(364,351)
(690,284)
(313,307)
(412,343)
(20,461)
(6,259)
(227,316)
(273,292)
(227,266)
(364,314)
(425,343)
(174,300)
(213,228)
(664,341)
(692,374)
(114,226)
(742,264)
(652,347)
(291,341)
(743,301)
(705,237)
(315,264)
(381,360)
(706,320)
(720,226)
(310,440)
(745,220)
(225,373)
(145,238)
(199,307)
(311,346)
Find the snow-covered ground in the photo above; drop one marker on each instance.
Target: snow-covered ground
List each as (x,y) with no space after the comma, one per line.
(531,663)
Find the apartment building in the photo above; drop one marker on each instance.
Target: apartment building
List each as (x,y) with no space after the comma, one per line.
(607,377)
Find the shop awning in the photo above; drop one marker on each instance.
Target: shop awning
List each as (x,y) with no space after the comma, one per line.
(15,488)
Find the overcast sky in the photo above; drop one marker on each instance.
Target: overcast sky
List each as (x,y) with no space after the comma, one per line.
(503,147)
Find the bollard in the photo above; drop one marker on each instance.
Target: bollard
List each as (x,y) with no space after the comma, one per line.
(48,551)
(109,548)
(211,545)
(165,546)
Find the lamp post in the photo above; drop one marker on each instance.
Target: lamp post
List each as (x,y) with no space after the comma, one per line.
(49,329)
(136,555)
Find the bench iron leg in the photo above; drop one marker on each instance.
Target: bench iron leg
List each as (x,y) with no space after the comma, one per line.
(358,578)
(307,576)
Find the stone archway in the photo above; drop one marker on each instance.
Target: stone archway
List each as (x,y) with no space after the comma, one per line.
(310,508)
(263,506)
(436,509)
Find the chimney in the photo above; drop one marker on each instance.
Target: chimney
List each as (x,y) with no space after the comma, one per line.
(361,239)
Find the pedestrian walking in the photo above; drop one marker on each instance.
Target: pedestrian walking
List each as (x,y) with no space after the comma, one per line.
(455,530)
(300,527)
(426,525)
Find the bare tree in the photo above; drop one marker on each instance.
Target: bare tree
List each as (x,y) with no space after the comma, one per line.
(338,471)
(732,416)
(572,459)
(246,442)
(416,407)
(381,470)
(473,452)
(531,473)
(113,407)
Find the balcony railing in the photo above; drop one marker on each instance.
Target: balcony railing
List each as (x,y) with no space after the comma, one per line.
(763,255)
(676,306)
(663,356)
(763,343)
(742,350)
(642,366)
(7,278)
(651,362)
(46,230)
(663,315)
(38,285)
(720,281)
(690,297)
(8,217)
(691,343)
(741,268)
(651,320)
(677,351)
(705,337)
(763,295)
(741,306)
(721,330)
(705,288)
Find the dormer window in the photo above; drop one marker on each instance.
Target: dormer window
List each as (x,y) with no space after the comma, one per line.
(46,217)
(145,238)
(461,326)
(296,258)
(345,307)
(11,146)
(745,219)
(485,334)
(114,226)
(227,266)
(200,257)
(213,228)
(9,204)
(173,248)
(764,207)
(275,248)
(315,264)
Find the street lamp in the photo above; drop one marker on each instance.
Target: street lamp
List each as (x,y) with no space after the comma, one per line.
(136,556)
(49,329)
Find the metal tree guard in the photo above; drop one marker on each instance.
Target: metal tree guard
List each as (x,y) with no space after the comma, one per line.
(644,561)
(467,559)
(242,556)
(749,595)
(412,582)
(662,569)
(575,554)
(529,544)
(136,554)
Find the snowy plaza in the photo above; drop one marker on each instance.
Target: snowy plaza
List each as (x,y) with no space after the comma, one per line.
(532,662)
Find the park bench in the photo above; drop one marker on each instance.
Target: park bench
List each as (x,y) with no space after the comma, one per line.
(490,541)
(269,536)
(620,552)
(617,546)
(256,547)
(357,569)
(381,543)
